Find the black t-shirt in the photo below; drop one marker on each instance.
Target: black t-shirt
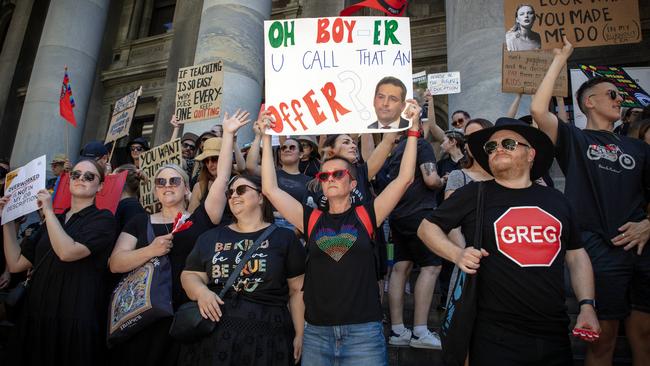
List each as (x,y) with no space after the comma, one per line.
(127,209)
(418,196)
(340,276)
(183,244)
(279,257)
(294,184)
(309,167)
(607,177)
(521,282)
(445,166)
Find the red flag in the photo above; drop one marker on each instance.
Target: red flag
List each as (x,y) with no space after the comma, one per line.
(108,197)
(394,8)
(66,102)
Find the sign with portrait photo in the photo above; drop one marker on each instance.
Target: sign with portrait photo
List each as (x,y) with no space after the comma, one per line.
(541,24)
(337,75)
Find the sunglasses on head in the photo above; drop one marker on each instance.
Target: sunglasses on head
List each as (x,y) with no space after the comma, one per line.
(290,147)
(336,174)
(189,146)
(137,148)
(508,144)
(240,190)
(86,176)
(173,182)
(613,94)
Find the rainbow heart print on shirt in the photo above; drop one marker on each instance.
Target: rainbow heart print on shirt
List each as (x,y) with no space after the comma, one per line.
(336,244)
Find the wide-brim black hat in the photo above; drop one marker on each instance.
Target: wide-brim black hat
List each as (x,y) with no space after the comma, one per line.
(538,140)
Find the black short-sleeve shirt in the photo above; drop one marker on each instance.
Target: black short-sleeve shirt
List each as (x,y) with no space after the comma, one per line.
(340,276)
(526,233)
(294,184)
(183,244)
(264,278)
(607,177)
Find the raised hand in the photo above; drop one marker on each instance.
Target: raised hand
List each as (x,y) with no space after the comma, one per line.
(44,200)
(412,112)
(564,52)
(233,123)
(174,122)
(264,121)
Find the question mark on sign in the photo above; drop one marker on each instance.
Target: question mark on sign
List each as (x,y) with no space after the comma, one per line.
(354,94)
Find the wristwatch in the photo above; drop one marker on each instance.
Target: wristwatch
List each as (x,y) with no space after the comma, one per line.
(591,302)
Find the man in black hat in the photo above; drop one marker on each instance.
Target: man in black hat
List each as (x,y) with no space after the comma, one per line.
(608,186)
(528,233)
(97,151)
(136,147)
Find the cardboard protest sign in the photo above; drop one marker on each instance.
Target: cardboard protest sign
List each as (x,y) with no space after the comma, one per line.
(150,162)
(199,91)
(22,185)
(522,72)
(122,116)
(107,198)
(540,24)
(444,83)
(419,86)
(632,93)
(321,74)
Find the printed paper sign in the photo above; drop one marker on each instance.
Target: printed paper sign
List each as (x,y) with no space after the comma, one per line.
(199,91)
(22,185)
(632,93)
(540,24)
(122,116)
(419,86)
(321,74)
(444,83)
(522,72)
(107,198)
(151,161)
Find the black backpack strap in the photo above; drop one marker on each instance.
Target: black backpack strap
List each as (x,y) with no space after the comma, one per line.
(150,234)
(480,208)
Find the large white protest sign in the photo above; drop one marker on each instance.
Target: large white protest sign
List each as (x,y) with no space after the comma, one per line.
(444,83)
(321,74)
(22,185)
(151,161)
(122,116)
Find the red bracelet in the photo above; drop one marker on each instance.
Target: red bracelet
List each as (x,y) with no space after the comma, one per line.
(413,133)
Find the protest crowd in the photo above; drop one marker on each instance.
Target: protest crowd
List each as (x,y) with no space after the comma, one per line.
(304,250)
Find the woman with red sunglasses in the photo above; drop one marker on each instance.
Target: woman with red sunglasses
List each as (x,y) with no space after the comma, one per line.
(153,345)
(340,292)
(63,314)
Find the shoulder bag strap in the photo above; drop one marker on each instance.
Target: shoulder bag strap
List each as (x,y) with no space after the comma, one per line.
(480,207)
(235,273)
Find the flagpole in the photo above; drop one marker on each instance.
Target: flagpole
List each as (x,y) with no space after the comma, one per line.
(66,141)
(110,157)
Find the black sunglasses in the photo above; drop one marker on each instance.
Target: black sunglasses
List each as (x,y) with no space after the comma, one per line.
(137,148)
(613,94)
(173,182)
(508,144)
(290,147)
(189,146)
(336,174)
(211,159)
(86,176)
(240,190)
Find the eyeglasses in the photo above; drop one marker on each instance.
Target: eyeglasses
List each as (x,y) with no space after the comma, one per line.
(336,174)
(283,148)
(189,146)
(211,159)
(458,122)
(613,94)
(173,182)
(240,190)
(137,148)
(508,144)
(85,176)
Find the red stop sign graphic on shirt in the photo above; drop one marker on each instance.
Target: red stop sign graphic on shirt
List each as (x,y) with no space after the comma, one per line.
(529,236)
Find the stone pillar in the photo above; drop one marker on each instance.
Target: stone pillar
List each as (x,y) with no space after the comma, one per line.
(11,49)
(72,35)
(181,54)
(233,31)
(475,34)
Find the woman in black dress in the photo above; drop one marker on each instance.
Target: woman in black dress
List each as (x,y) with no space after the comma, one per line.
(64,313)
(255,327)
(153,345)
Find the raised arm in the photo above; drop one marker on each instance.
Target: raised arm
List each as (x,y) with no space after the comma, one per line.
(177,128)
(546,120)
(288,206)
(380,154)
(561,110)
(432,128)
(240,162)
(215,202)
(514,107)
(367,145)
(387,200)
(253,157)
(16,262)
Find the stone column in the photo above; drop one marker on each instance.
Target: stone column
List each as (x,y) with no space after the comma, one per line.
(233,31)
(11,49)
(181,54)
(72,36)
(475,34)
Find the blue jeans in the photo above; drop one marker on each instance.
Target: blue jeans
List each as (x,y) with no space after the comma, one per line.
(342,345)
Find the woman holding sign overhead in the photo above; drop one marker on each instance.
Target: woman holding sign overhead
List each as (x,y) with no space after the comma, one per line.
(521,36)
(64,313)
(153,345)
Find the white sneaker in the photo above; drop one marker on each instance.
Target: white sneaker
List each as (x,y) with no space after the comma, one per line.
(400,339)
(429,340)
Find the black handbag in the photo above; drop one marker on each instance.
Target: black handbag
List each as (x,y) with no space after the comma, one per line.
(188,324)
(458,321)
(142,297)
(17,294)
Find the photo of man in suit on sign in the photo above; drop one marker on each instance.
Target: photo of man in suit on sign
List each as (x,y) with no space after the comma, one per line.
(389,102)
